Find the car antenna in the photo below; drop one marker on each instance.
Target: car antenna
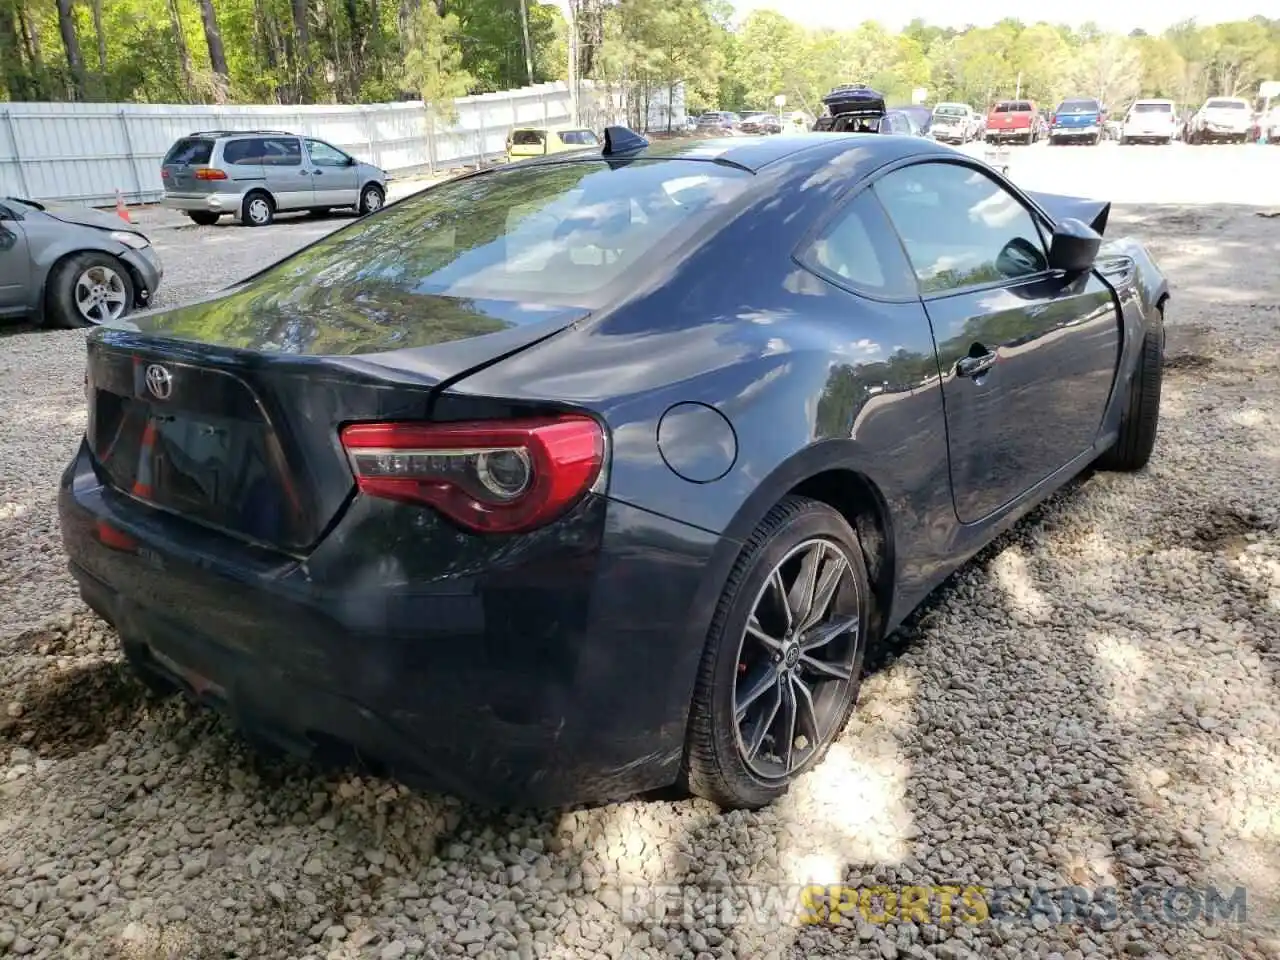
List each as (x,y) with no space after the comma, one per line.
(622,140)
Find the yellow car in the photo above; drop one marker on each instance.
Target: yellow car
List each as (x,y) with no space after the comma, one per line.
(524,142)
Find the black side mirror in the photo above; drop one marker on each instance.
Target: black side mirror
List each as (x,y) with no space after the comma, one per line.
(352,161)
(1074,246)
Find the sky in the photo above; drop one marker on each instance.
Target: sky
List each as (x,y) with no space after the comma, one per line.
(1112,15)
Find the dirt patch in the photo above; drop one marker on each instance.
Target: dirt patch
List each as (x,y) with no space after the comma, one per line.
(63,714)
(1186,362)
(1226,531)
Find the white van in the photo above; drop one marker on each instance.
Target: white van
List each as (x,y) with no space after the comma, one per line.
(1149,121)
(954,123)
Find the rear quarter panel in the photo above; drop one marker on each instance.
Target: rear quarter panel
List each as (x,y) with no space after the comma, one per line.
(802,377)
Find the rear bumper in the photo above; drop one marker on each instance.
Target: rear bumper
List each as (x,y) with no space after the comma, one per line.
(1075,133)
(219,203)
(550,670)
(1009,134)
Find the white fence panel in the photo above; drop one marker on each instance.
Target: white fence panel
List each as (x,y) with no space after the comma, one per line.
(85,152)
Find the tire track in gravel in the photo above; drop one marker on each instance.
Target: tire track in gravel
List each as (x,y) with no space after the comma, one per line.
(1092,700)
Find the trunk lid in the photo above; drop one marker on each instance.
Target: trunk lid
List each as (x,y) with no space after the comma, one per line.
(228,415)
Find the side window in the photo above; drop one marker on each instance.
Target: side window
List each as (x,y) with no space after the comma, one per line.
(281,152)
(323,155)
(858,250)
(242,151)
(960,228)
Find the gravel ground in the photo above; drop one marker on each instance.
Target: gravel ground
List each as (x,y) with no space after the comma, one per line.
(1091,702)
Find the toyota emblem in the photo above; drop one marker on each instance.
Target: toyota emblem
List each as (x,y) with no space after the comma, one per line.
(159,381)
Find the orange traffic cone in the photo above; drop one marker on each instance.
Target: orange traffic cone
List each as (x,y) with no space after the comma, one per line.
(121,210)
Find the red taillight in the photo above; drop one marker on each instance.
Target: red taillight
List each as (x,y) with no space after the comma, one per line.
(210,173)
(487,476)
(111,537)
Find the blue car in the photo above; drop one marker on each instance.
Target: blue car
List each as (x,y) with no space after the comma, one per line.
(602,472)
(1077,121)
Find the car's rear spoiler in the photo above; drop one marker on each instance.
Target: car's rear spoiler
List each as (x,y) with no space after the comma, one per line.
(1059,207)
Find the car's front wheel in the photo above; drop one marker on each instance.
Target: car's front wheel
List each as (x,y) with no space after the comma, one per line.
(1132,449)
(88,289)
(781,669)
(371,199)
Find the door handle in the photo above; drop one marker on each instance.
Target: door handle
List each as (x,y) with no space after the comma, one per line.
(304,173)
(317,172)
(972,366)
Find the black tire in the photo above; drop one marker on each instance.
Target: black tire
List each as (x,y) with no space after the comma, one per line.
(203,217)
(1096,140)
(714,765)
(140,664)
(1132,449)
(259,210)
(371,199)
(61,310)
(1125,141)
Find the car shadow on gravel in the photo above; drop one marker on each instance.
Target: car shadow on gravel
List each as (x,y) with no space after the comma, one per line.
(66,712)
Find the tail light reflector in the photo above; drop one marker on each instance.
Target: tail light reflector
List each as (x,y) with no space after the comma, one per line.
(210,173)
(488,476)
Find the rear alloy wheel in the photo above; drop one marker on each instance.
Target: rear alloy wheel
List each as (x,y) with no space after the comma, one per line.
(783,661)
(371,199)
(87,290)
(1132,449)
(258,210)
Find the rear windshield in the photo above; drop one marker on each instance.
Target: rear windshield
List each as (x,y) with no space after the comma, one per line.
(190,150)
(1226,105)
(1153,108)
(1013,106)
(557,235)
(527,138)
(948,110)
(1078,106)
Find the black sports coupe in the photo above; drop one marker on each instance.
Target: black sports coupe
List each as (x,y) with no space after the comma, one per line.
(601,472)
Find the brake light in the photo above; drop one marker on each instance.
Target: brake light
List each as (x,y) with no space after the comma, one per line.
(210,173)
(488,476)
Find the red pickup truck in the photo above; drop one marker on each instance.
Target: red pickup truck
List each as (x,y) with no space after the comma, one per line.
(1013,120)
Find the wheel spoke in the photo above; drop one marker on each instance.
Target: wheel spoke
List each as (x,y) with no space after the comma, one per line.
(766,677)
(786,743)
(800,598)
(808,716)
(833,628)
(114,296)
(775,581)
(837,671)
(765,723)
(755,630)
(825,590)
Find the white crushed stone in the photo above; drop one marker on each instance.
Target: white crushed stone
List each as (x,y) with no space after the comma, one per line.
(1092,701)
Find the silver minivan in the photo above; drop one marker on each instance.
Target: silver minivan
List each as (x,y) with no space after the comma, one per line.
(256,174)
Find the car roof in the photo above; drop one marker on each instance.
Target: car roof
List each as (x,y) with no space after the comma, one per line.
(754,154)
